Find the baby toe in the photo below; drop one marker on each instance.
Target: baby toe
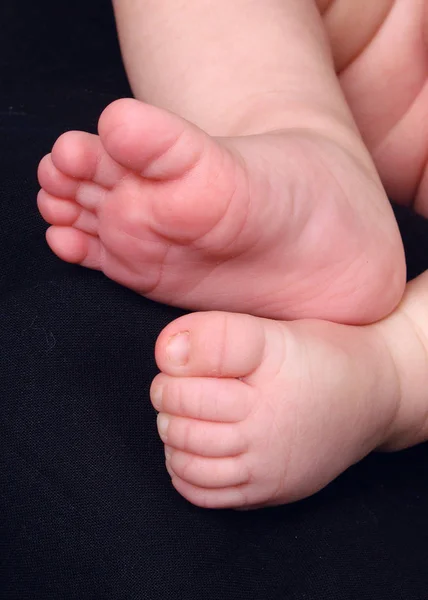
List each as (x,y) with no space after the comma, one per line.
(81,155)
(54,182)
(171,145)
(230,497)
(214,440)
(212,345)
(76,154)
(57,211)
(209,472)
(75,246)
(203,398)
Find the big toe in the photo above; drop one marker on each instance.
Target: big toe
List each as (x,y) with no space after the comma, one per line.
(213,344)
(150,141)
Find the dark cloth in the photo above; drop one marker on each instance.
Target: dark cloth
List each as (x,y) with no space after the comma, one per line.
(86,507)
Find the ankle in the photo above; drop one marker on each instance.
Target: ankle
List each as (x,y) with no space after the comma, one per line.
(278,115)
(193,59)
(407,348)
(266,113)
(379,386)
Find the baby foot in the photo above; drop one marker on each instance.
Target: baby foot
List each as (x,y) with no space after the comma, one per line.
(256,412)
(286,224)
(380,54)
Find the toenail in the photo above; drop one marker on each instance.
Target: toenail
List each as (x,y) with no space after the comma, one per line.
(168,453)
(157,396)
(163,424)
(178,349)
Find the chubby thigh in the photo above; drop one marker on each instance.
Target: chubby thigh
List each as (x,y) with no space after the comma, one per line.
(351,25)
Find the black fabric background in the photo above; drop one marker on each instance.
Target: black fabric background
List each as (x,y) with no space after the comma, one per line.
(86,508)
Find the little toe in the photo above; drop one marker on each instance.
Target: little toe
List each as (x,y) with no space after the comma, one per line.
(74,246)
(213,440)
(212,345)
(230,497)
(203,398)
(209,472)
(240,497)
(81,155)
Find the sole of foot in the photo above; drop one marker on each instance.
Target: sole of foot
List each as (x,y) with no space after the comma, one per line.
(281,225)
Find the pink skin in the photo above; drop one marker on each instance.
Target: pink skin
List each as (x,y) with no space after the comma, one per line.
(271,224)
(257,413)
(386,86)
(260,413)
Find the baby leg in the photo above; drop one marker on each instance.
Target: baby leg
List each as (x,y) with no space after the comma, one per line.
(289,199)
